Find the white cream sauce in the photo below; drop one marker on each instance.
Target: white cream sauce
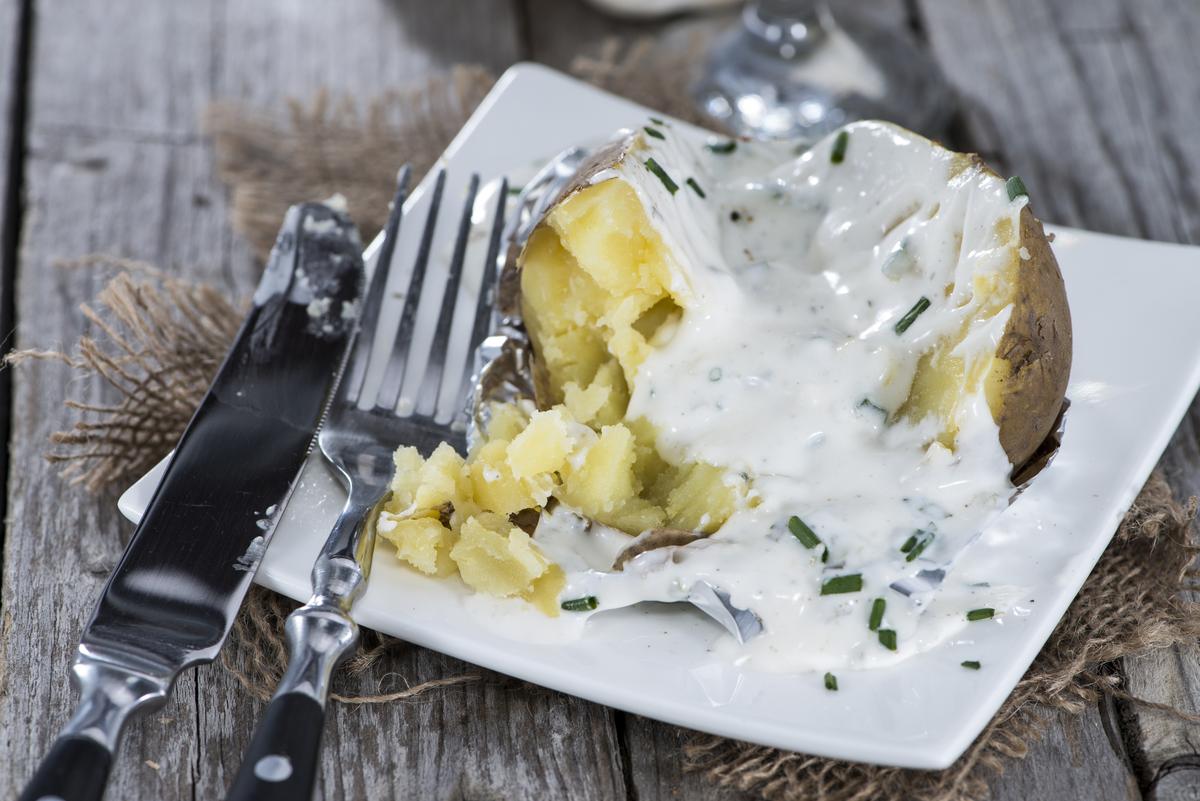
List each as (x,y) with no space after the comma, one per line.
(785,366)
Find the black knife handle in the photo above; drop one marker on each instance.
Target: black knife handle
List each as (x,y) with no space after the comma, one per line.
(281,762)
(76,769)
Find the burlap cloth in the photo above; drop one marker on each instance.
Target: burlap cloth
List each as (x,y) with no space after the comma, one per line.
(160,339)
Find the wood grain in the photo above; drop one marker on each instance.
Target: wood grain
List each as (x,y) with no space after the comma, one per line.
(10,75)
(1080,757)
(1093,104)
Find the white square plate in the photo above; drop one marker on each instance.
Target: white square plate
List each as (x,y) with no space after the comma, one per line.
(1136,370)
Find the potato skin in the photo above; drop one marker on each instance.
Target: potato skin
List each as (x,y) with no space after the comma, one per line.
(1025,398)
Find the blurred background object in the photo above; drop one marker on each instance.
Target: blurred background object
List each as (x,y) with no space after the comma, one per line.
(782,69)
(790,69)
(657,8)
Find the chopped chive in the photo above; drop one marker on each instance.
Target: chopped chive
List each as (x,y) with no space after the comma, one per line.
(851,582)
(584,604)
(887,638)
(830,682)
(923,540)
(981,614)
(911,315)
(909,544)
(1016,188)
(971,664)
(802,532)
(838,154)
(723,148)
(657,134)
(516,190)
(867,403)
(825,554)
(696,187)
(657,121)
(654,167)
(876,619)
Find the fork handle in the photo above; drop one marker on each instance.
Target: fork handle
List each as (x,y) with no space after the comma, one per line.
(76,769)
(281,763)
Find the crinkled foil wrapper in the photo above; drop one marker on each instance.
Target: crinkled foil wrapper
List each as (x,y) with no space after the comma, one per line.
(505,369)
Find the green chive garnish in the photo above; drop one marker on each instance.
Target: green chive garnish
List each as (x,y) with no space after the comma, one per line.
(1015,187)
(838,154)
(584,604)
(912,314)
(887,638)
(923,540)
(696,187)
(971,664)
(851,582)
(981,614)
(825,554)
(867,403)
(516,190)
(830,681)
(909,544)
(722,147)
(654,167)
(657,134)
(876,619)
(802,532)
(657,121)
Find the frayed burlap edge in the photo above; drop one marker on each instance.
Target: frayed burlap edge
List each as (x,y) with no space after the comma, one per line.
(336,146)
(155,327)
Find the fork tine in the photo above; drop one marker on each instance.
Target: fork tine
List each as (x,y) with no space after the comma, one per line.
(431,384)
(393,378)
(484,304)
(368,319)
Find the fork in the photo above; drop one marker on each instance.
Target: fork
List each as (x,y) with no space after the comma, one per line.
(358,441)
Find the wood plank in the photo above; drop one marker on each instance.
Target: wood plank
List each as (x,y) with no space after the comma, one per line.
(272,51)
(10,52)
(83,196)
(118,164)
(1077,758)
(656,765)
(1087,101)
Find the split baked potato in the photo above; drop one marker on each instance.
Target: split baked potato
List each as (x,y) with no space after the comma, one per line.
(612,271)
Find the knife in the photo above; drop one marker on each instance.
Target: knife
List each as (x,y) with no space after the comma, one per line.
(172,598)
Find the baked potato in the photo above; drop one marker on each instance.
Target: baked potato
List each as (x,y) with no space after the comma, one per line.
(710,323)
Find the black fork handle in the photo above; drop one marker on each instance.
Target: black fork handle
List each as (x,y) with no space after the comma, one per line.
(75,769)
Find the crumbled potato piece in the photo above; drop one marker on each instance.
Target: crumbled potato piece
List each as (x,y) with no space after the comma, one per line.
(493,485)
(700,501)
(406,479)
(507,420)
(603,479)
(542,447)
(496,557)
(423,542)
(443,478)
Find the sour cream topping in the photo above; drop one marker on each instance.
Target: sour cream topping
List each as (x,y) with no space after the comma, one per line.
(787,366)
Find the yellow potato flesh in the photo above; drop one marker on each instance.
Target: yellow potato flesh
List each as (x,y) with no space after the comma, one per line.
(594,287)
(943,380)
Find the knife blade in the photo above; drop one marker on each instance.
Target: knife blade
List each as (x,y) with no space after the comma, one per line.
(170,602)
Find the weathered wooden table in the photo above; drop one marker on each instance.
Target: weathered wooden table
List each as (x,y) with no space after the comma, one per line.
(1095,103)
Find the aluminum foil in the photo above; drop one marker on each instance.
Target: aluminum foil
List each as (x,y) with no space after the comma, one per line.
(504,363)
